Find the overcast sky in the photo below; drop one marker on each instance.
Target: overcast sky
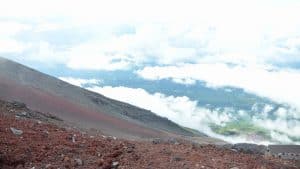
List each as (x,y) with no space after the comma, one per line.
(119,34)
(195,38)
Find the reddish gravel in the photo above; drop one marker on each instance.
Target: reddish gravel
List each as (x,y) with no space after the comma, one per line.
(44,144)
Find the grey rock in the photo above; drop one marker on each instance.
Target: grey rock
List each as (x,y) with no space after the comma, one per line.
(156,141)
(284,151)
(129,150)
(73,138)
(79,162)
(19,105)
(172,141)
(115,164)
(250,148)
(177,158)
(48,166)
(234,168)
(24,114)
(16,131)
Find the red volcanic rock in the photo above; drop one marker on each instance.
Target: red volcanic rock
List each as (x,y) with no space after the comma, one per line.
(48,143)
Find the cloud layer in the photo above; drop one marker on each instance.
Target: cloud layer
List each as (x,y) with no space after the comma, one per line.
(185,112)
(280,85)
(81,82)
(92,35)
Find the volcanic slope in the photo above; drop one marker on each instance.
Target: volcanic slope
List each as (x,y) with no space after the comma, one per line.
(83,108)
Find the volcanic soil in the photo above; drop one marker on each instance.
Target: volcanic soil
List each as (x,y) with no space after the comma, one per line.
(34,140)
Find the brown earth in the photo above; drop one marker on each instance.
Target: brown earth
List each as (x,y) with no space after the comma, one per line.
(47,142)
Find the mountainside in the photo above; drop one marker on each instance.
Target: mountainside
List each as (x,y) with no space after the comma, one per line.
(30,139)
(84,108)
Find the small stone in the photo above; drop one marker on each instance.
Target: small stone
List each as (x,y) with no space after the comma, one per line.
(115,164)
(78,162)
(177,158)
(129,150)
(234,168)
(48,166)
(173,141)
(22,114)
(156,141)
(19,105)
(67,159)
(45,133)
(100,162)
(73,138)
(16,131)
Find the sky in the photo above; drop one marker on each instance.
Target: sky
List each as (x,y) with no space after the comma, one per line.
(189,37)
(253,45)
(122,34)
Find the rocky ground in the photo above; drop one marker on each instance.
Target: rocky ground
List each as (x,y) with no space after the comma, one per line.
(34,140)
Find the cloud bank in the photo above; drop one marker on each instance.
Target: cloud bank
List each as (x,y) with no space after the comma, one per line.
(81,82)
(185,112)
(92,35)
(280,85)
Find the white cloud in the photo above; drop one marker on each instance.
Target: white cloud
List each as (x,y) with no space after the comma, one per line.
(93,56)
(181,110)
(80,82)
(279,85)
(48,26)
(11,46)
(10,28)
(185,81)
(185,112)
(178,31)
(149,44)
(44,52)
(143,9)
(281,128)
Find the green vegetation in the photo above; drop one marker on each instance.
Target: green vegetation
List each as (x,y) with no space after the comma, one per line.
(238,128)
